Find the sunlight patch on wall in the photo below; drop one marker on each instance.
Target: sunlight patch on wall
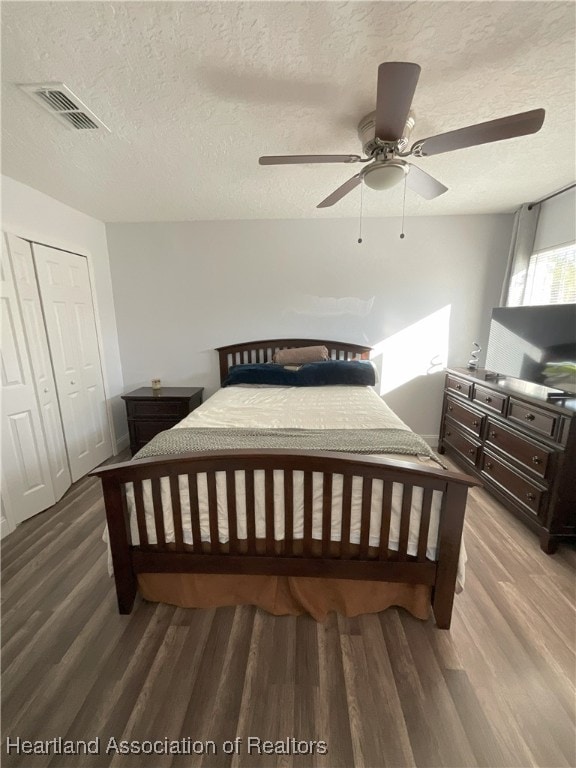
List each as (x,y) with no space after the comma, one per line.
(418,350)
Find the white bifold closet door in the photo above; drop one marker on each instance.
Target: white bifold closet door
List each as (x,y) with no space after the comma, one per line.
(64,284)
(27,471)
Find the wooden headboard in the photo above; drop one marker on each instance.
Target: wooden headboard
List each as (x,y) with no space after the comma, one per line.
(263,351)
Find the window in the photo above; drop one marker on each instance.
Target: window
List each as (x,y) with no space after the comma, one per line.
(550,278)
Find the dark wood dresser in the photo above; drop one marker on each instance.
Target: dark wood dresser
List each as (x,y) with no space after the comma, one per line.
(150,411)
(521,445)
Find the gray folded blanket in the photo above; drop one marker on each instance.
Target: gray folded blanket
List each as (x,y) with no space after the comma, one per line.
(365,441)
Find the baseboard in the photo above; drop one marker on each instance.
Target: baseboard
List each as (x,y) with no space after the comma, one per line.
(432,440)
(122,443)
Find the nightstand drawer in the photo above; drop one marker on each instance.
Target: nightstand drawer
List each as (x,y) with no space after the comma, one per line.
(156,409)
(142,432)
(535,457)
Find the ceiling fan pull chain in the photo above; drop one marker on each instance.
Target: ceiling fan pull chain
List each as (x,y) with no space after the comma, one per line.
(360,223)
(402,235)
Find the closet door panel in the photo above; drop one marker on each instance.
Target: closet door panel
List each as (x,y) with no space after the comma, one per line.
(29,297)
(68,310)
(25,467)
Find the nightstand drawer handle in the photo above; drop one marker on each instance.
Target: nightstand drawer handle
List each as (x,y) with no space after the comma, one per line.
(488,399)
(529,417)
(531,496)
(536,460)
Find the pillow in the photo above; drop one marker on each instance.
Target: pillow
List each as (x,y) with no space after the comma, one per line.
(326,373)
(300,355)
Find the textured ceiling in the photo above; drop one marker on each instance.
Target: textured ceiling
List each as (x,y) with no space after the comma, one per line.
(194,92)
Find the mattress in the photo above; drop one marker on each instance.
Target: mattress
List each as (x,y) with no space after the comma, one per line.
(328,407)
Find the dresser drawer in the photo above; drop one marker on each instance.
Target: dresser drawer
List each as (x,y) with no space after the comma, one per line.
(533,418)
(464,416)
(156,409)
(465,446)
(489,399)
(533,456)
(457,385)
(519,488)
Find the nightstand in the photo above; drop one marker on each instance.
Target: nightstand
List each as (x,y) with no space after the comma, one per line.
(150,411)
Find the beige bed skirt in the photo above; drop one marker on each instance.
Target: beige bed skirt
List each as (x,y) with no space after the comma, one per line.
(284,595)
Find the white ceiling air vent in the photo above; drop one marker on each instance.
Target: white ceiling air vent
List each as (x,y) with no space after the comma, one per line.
(59,100)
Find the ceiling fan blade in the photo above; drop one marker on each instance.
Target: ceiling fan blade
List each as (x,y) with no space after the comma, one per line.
(339,193)
(423,184)
(397,82)
(286,159)
(483,133)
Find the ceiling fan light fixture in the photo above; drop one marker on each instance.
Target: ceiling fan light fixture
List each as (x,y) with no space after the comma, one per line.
(385,175)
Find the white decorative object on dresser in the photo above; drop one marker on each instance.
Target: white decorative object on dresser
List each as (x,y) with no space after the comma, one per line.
(54,417)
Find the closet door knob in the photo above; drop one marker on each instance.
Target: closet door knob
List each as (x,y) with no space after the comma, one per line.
(46,390)
(72,382)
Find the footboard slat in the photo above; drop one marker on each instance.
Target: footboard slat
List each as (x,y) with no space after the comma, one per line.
(308,512)
(289,512)
(140,512)
(194,513)
(346,517)
(269,512)
(424,524)
(250,511)
(232,516)
(213,513)
(387,488)
(365,517)
(405,522)
(158,512)
(326,514)
(176,514)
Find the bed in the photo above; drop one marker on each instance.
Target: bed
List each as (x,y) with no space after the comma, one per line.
(291,528)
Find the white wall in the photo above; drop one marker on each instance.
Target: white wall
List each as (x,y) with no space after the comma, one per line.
(33,215)
(182,289)
(557,221)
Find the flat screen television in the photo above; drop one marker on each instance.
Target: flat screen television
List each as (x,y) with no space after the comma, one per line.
(535,344)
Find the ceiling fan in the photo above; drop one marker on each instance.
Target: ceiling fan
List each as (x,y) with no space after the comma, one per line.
(385,135)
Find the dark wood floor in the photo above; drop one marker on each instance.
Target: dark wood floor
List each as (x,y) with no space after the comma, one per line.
(380,690)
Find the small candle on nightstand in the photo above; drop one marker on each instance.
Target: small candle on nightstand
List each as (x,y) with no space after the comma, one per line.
(156,384)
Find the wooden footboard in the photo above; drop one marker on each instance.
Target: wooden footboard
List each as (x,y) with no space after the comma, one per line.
(287,554)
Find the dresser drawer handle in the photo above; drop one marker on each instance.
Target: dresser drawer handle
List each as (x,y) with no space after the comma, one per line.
(489,465)
(450,407)
(536,460)
(531,496)
(488,399)
(493,434)
(458,386)
(471,450)
(448,433)
(475,423)
(529,417)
